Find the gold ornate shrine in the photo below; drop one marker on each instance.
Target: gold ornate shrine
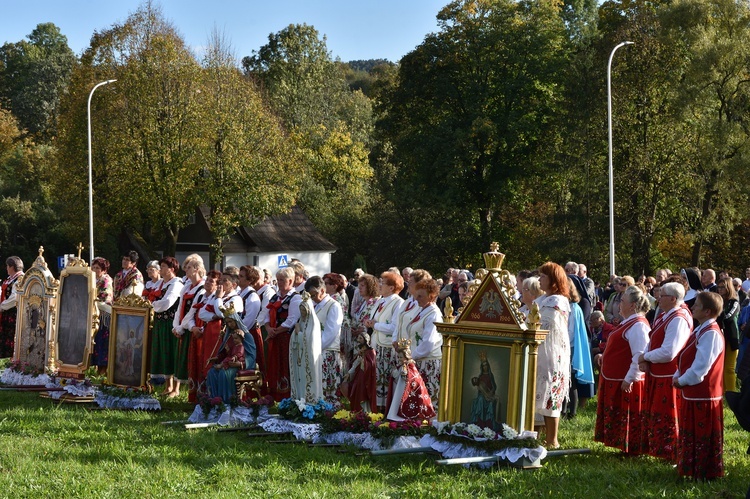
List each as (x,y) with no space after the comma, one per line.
(130,341)
(489,355)
(76,319)
(36,292)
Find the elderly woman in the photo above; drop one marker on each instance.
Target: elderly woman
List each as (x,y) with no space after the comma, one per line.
(383,323)
(409,308)
(427,342)
(728,323)
(281,310)
(185,316)
(163,342)
(612,307)
(621,382)
(104,294)
(553,361)
(152,288)
(669,335)
(530,291)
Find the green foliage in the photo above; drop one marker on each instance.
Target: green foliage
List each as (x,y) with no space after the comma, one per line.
(471,115)
(34,74)
(172,134)
(331,128)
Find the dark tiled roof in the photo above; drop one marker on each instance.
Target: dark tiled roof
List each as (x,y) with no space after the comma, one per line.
(290,232)
(281,233)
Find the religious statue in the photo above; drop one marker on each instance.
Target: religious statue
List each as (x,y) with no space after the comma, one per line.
(410,398)
(362,376)
(305,355)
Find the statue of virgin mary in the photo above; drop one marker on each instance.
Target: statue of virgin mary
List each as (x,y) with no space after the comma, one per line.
(305,355)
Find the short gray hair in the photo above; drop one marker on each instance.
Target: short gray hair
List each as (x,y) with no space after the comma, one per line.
(673,289)
(573,266)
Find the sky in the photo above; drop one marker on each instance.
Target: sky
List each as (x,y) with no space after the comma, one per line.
(355,29)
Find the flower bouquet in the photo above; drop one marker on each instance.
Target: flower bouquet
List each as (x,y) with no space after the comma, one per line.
(208,404)
(256,404)
(301,411)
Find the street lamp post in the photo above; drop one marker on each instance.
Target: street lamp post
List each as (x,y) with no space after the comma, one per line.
(91,185)
(611,173)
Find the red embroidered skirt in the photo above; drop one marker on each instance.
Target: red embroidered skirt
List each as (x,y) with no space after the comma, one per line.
(660,413)
(200,350)
(619,417)
(277,367)
(701,443)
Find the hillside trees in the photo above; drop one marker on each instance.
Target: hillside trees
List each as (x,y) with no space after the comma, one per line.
(470,122)
(170,135)
(331,127)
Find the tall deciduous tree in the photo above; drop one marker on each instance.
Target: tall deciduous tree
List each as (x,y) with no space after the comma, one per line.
(34,73)
(171,135)
(471,117)
(250,166)
(331,127)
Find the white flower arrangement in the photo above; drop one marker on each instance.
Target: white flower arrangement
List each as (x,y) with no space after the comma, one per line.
(509,432)
(474,430)
(301,404)
(488,433)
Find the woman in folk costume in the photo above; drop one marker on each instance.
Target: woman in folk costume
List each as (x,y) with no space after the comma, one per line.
(367,286)
(206,336)
(335,285)
(250,278)
(236,353)
(362,376)
(621,382)
(184,319)
(281,311)
(409,308)
(553,358)
(727,321)
(104,296)
(152,287)
(8,302)
(305,369)
(699,379)
(129,279)
(330,316)
(383,323)
(164,343)
(668,337)
(428,342)
(410,399)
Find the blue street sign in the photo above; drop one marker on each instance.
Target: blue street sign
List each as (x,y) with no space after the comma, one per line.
(283,261)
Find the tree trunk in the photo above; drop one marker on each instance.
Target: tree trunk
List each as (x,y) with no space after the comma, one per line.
(706,208)
(170,240)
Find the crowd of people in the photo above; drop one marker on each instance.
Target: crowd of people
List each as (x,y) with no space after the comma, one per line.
(666,348)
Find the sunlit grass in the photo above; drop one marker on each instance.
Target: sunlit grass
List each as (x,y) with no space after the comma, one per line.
(72,451)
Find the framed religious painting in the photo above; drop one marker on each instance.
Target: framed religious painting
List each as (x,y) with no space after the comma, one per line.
(129,342)
(488,372)
(36,292)
(76,319)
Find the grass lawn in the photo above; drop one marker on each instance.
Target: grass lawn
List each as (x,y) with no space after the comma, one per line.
(49,450)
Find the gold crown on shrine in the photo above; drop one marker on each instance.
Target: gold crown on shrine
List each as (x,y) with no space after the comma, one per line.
(482,356)
(228,310)
(403,344)
(493,259)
